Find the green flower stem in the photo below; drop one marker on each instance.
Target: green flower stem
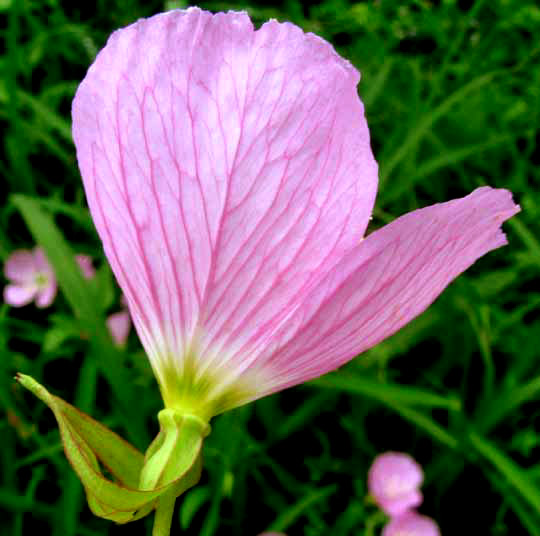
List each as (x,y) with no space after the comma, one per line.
(175,451)
(164,515)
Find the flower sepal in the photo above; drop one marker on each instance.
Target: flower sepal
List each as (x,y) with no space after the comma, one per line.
(140,483)
(175,452)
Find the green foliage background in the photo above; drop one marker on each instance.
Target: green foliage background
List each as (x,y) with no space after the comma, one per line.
(451,90)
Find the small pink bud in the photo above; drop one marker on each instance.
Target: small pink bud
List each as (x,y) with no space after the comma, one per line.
(394,480)
(86,265)
(411,524)
(119,325)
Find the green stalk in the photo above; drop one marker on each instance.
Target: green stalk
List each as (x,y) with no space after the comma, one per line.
(164,515)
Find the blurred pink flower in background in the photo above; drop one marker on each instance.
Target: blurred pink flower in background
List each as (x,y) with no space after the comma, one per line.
(394,481)
(31,278)
(119,325)
(411,524)
(86,265)
(230,177)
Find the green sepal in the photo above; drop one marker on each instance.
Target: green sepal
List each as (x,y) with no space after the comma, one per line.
(87,443)
(171,453)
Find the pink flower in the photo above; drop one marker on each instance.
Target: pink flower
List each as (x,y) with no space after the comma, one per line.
(230,177)
(31,278)
(86,265)
(119,325)
(394,480)
(411,524)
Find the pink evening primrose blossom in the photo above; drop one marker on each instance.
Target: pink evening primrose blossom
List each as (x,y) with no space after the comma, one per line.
(411,524)
(394,481)
(230,177)
(31,278)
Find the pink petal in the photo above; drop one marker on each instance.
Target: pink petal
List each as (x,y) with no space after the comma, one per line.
(119,325)
(42,263)
(86,265)
(20,267)
(398,505)
(227,171)
(19,295)
(46,294)
(394,480)
(411,524)
(391,277)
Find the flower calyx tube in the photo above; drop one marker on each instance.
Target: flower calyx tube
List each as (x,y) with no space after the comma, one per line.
(140,483)
(175,451)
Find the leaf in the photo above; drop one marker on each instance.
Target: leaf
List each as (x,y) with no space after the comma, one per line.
(87,443)
(289,516)
(58,334)
(49,117)
(514,474)
(192,504)
(448,158)
(428,425)
(528,238)
(424,125)
(386,392)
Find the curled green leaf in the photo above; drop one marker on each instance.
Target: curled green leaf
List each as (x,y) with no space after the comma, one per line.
(171,466)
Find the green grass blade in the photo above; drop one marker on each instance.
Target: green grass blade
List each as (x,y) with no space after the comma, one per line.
(514,474)
(494,412)
(386,392)
(449,157)
(10,501)
(527,237)
(424,125)
(73,497)
(50,118)
(289,516)
(298,419)
(428,425)
(376,85)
